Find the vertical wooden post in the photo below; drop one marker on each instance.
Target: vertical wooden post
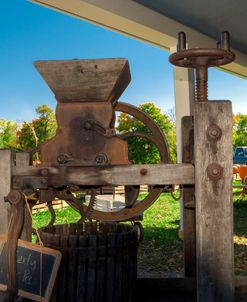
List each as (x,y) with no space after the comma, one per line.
(214,214)
(189,223)
(23,160)
(5,186)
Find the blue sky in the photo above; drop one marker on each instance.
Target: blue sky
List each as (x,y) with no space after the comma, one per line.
(29,32)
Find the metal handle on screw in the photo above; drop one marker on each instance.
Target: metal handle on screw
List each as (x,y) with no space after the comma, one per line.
(201,59)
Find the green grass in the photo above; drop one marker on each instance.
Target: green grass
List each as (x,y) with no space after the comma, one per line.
(162,250)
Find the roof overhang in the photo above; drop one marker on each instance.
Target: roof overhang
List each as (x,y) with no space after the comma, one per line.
(140,22)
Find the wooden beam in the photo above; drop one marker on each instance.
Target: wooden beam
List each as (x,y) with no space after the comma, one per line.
(23,160)
(214,211)
(189,219)
(157,174)
(5,186)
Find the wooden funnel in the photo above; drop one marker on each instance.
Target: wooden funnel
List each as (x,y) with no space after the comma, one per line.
(86,80)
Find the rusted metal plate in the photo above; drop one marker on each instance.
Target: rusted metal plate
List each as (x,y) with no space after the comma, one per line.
(83,137)
(86,80)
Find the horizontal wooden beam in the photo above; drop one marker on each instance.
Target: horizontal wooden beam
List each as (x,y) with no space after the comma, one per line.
(157,174)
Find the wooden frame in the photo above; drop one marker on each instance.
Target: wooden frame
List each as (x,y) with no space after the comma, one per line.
(214,209)
(158,174)
(5,186)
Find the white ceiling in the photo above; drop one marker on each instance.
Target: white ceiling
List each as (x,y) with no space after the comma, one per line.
(210,17)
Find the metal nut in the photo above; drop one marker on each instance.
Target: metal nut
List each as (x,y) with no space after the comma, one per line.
(62,158)
(101,159)
(215,171)
(43,181)
(44,172)
(14,197)
(88,125)
(214,132)
(143,171)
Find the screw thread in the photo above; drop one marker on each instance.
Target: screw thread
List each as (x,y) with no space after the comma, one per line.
(201,83)
(201,90)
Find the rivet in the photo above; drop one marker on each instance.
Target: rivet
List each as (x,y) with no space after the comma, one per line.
(101,159)
(143,171)
(14,197)
(44,181)
(44,172)
(215,171)
(214,132)
(62,158)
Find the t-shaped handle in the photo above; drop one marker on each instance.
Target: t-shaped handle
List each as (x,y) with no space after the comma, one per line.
(201,59)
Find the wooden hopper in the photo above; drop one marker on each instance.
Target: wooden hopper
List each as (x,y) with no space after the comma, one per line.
(86,80)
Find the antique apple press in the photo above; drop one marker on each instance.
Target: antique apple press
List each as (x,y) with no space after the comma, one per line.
(87,154)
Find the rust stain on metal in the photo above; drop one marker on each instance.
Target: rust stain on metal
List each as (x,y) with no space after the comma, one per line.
(85,135)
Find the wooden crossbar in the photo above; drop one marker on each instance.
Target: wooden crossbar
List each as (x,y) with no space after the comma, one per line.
(156,174)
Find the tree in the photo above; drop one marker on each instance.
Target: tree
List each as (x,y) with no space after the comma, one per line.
(141,150)
(8,134)
(239,130)
(33,134)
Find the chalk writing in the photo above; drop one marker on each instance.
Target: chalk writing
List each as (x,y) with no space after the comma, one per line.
(27,260)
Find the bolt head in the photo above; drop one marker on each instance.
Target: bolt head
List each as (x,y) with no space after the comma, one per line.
(143,171)
(44,172)
(215,171)
(214,132)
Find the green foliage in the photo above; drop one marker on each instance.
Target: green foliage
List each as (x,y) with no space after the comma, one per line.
(34,133)
(141,150)
(8,134)
(240,130)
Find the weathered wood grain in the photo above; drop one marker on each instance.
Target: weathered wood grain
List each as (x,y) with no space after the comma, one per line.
(189,224)
(23,160)
(214,214)
(5,186)
(158,174)
(86,80)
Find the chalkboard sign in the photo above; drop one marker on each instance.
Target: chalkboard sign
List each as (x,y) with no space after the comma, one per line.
(36,269)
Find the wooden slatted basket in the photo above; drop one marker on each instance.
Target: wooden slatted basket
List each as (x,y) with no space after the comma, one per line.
(99,261)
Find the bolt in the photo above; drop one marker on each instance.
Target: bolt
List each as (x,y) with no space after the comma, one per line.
(225,40)
(214,171)
(101,159)
(214,132)
(181,41)
(62,158)
(14,197)
(143,171)
(88,125)
(43,181)
(17,180)
(44,172)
